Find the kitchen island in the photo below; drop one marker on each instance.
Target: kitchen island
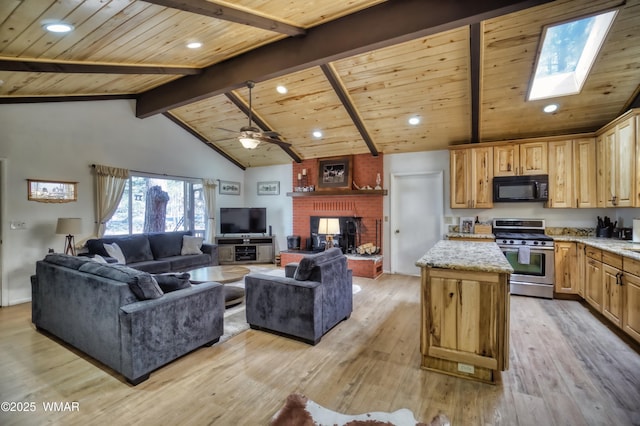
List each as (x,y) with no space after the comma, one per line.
(465,310)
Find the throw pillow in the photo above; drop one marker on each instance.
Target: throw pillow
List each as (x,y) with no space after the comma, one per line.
(173,282)
(98,258)
(191,245)
(114,251)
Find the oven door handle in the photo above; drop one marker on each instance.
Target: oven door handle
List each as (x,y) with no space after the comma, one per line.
(532,249)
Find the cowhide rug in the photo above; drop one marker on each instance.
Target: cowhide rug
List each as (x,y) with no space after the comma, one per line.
(299,410)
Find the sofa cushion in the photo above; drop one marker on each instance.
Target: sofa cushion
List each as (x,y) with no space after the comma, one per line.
(166,244)
(173,282)
(191,245)
(307,263)
(152,266)
(114,250)
(142,284)
(66,260)
(184,263)
(134,247)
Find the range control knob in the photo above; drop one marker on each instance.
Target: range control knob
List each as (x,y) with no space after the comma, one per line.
(543,243)
(504,241)
(523,242)
(510,241)
(535,243)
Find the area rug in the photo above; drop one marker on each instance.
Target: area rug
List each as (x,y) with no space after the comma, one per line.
(298,410)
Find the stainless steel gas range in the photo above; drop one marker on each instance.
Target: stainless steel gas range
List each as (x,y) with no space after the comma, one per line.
(530,253)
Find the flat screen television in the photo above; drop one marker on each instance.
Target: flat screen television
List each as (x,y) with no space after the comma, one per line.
(243,220)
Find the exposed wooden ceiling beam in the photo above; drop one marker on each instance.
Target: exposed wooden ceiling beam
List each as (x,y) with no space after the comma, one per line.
(382,25)
(75,68)
(43,99)
(226,13)
(202,139)
(335,82)
(474,50)
(260,123)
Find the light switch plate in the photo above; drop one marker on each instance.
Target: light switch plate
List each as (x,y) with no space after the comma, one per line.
(17,224)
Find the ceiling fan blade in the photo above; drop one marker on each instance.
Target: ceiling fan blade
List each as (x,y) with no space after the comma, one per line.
(275,141)
(227,130)
(272,134)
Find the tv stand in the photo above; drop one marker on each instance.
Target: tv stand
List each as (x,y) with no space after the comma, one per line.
(245,249)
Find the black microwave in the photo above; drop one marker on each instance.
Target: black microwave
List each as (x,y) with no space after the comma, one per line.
(520,188)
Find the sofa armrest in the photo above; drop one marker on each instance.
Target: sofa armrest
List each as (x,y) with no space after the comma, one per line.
(290,269)
(211,250)
(155,332)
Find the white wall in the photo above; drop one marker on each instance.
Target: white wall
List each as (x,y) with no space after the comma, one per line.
(279,207)
(59,141)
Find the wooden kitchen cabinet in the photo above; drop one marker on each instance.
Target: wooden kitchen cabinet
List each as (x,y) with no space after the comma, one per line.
(617,164)
(581,264)
(465,322)
(515,159)
(560,161)
(593,291)
(584,169)
(612,294)
(565,267)
(471,172)
(631,298)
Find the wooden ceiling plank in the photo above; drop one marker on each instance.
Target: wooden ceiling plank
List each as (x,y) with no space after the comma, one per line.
(224,12)
(347,103)
(83,68)
(382,25)
(202,139)
(42,99)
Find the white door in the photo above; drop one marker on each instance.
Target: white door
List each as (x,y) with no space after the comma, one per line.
(416,218)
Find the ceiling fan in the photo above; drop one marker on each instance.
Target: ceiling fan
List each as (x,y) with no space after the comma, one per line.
(250,136)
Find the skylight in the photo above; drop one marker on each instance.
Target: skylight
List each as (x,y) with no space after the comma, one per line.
(567,54)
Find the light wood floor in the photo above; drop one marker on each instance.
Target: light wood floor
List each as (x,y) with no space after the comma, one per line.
(566,368)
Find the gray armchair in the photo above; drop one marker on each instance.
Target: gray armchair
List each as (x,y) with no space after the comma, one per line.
(307,302)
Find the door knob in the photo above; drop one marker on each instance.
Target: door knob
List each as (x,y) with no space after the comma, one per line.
(397,231)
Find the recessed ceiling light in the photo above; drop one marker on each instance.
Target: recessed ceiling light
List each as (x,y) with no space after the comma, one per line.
(414,121)
(57,27)
(194,45)
(281,89)
(317,134)
(550,108)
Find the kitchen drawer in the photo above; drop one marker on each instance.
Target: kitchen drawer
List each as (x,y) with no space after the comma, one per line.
(631,266)
(612,259)
(594,253)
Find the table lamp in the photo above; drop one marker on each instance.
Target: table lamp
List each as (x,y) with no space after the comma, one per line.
(69,226)
(329,227)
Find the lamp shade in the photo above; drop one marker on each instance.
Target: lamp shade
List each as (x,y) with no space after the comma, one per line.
(69,226)
(329,226)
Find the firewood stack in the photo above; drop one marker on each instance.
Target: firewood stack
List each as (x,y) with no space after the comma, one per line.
(367,248)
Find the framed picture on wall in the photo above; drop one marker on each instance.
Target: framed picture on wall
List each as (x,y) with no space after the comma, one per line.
(269,188)
(334,173)
(229,188)
(52,191)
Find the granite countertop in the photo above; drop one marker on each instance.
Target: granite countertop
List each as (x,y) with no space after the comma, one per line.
(613,245)
(467,256)
(467,235)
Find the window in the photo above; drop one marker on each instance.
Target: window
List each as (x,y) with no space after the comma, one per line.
(153,204)
(568,52)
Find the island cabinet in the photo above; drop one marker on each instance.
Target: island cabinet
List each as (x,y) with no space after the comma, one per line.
(471,171)
(465,310)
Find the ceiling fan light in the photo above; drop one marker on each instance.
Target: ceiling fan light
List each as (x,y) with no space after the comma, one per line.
(249,143)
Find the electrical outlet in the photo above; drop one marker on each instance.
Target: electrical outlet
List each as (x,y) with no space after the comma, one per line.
(466,368)
(17,224)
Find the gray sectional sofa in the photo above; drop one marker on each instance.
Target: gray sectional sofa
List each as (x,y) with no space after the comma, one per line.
(155,252)
(120,316)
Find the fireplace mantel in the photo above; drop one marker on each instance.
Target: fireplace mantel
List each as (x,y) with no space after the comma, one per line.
(339,192)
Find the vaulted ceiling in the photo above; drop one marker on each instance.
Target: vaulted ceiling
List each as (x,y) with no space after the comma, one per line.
(356,70)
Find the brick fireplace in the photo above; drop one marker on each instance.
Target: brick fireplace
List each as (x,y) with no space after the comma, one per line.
(355,204)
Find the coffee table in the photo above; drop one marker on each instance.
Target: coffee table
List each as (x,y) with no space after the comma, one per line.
(222,274)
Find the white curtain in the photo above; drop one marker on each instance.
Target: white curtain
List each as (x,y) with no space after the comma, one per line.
(110,184)
(209,186)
